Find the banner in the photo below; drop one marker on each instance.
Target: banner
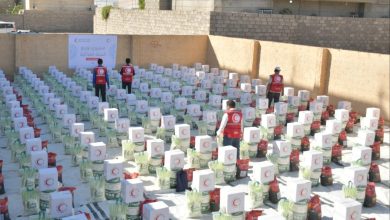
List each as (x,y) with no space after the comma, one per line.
(85,50)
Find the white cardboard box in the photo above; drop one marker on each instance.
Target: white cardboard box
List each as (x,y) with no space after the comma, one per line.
(155,147)
(357,175)
(313,159)
(183,131)
(217,88)
(280,108)
(48,179)
(233,93)
(93,102)
(263,172)
(268,120)
(260,90)
(203,180)
(347,209)
(47,97)
(249,113)
(102,106)
(288,91)
(298,190)
(373,112)
(315,107)
(293,101)
(97,151)
(39,159)
(246,87)
(295,129)
(256,82)
(156,210)
(304,95)
(245,98)
(19,123)
(363,154)
(215,100)
(136,134)
(180,103)
(232,200)
(234,76)
(262,103)
(200,95)
(155,93)
(166,97)
(210,116)
(305,117)
(187,91)
(154,113)
(87,137)
(206,84)
(369,123)
(323,140)
(53,102)
(203,144)
(324,99)
(61,204)
(227,155)
(25,133)
(344,105)
(131,99)
(16,112)
(168,122)
(194,110)
(113,169)
(282,148)
(341,115)
(245,79)
(333,126)
(68,120)
(144,87)
(174,159)
(33,144)
(231,83)
(122,125)
(366,137)
(252,135)
(76,128)
(132,190)
(61,110)
(141,106)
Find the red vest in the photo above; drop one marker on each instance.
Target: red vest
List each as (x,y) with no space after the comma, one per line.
(233,125)
(127,73)
(101,73)
(276,83)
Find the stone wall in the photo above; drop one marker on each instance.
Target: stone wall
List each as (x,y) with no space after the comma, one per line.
(53,21)
(59,5)
(361,34)
(152,22)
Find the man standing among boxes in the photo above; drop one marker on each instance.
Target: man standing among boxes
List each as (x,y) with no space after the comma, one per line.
(127,73)
(231,127)
(100,79)
(275,87)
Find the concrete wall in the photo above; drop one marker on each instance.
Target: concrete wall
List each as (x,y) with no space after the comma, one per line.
(152,22)
(59,5)
(5,4)
(221,5)
(7,54)
(164,50)
(53,21)
(362,78)
(158,4)
(234,54)
(301,65)
(362,34)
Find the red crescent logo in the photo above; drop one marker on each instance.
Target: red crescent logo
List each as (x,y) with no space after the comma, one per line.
(303,192)
(317,161)
(206,182)
(21,124)
(62,207)
(115,171)
(360,178)
(177,161)
(77,130)
(98,153)
(33,148)
(267,173)
(353,215)
(137,135)
(123,125)
(88,140)
(327,140)
(49,182)
(236,118)
(184,132)
(365,156)
(39,162)
(236,202)
(297,130)
(112,115)
(27,136)
(170,123)
(285,149)
(157,148)
(230,156)
(206,144)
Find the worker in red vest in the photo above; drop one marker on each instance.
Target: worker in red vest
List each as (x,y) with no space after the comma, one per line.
(127,73)
(231,127)
(275,87)
(100,80)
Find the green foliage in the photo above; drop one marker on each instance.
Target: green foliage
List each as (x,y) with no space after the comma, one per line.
(15,9)
(285,11)
(141,4)
(106,12)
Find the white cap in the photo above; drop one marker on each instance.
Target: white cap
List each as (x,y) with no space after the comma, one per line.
(277,68)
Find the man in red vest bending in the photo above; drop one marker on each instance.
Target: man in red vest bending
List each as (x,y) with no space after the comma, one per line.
(100,79)
(275,87)
(231,127)
(127,73)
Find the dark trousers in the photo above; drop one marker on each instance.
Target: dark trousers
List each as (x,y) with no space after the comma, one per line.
(102,90)
(235,142)
(273,96)
(128,85)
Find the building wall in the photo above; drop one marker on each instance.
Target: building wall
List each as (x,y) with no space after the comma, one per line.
(5,5)
(152,22)
(242,6)
(7,54)
(158,4)
(53,21)
(381,10)
(59,5)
